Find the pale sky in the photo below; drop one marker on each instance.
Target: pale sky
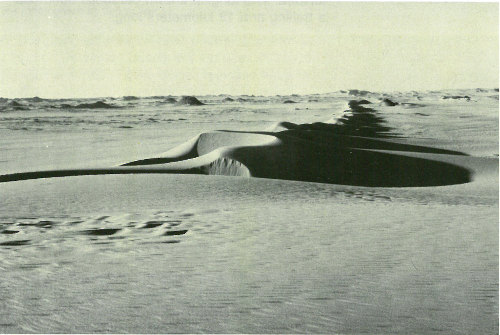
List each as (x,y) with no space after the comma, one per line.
(89,49)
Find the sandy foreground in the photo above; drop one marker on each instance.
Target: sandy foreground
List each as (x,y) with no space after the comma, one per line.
(177,253)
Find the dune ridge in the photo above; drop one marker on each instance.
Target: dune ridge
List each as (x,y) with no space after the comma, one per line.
(359,149)
(95,105)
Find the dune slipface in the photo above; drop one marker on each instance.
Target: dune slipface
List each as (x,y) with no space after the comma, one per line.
(357,150)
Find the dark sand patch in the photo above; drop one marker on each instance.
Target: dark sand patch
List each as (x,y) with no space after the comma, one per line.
(456,97)
(15,243)
(175,232)
(101,231)
(390,103)
(40,224)
(7,231)
(152,224)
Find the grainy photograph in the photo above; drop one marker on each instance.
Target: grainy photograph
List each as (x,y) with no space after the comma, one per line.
(249,167)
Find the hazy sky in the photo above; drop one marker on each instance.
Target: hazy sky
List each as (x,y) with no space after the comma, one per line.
(54,49)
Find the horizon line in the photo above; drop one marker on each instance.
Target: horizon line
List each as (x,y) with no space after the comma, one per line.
(246,94)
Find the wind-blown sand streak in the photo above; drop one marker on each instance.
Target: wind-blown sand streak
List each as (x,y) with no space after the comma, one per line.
(359,149)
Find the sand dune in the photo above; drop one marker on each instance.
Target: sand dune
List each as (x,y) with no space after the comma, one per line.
(95,105)
(223,254)
(14,105)
(337,153)
(189,100)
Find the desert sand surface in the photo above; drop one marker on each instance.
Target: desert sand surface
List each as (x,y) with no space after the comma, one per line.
(347,212)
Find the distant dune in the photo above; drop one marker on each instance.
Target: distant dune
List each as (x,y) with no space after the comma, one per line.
(170,101)
(95,105)
(130,98)
(14,106)
(189,100)
(389,102)
(35,99)
(358,93)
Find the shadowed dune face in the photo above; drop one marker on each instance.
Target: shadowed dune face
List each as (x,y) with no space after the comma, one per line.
(357,121)
(357,150)
(337,141)
(298,160)
(388,102)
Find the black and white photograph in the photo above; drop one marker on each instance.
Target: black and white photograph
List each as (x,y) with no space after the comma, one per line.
(249,167)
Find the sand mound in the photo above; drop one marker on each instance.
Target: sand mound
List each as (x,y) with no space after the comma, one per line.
(228,99)
(189,100)
(95,105)
(289,102)
(170,101)
(35,99)
(388,102)
(358,93)
(14,105)
(130,98)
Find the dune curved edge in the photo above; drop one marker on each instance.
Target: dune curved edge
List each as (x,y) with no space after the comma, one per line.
(358,149)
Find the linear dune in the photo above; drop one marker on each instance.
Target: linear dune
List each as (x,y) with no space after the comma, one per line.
(359,149)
